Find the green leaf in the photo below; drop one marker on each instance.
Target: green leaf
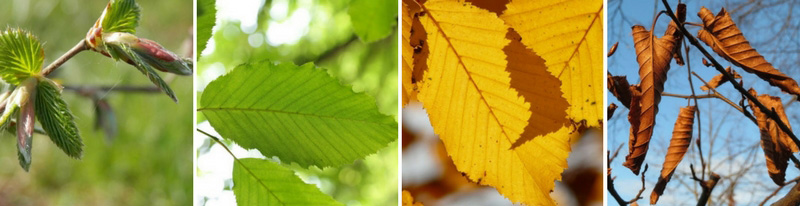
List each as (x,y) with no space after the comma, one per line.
(261,182)
(125,52)
(300,114)
(21,55)
(121,16)
(206,18)
(373,19)
(56,119)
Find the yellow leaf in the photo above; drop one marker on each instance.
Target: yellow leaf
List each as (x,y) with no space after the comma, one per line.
(408,200)
(568,35)
(408,61)
(478,115)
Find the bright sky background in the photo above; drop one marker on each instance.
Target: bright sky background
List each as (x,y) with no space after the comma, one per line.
(717,117)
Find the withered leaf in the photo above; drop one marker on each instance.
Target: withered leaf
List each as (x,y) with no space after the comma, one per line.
(634,119)
(619,87)
(721,34)
(678,145)
(612,50)
(654,55)
(673,30)
(777,145)
(611,108)
(720,79)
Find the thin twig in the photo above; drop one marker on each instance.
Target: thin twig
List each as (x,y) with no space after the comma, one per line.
(723,98)
(730,78)
(778,190)
(78,48)
(610,184)
(639,195)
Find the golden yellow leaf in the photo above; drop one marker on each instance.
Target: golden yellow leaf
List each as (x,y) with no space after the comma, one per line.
(478,115)
(408,61)
(408,200)
(568,35)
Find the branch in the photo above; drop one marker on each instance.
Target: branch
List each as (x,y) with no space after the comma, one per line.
(778,190)
(791,198)
(639,195)
(707,185)
(610,184)
(730,78)
(78,48)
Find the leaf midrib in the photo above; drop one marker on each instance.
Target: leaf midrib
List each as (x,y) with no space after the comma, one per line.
(289,113)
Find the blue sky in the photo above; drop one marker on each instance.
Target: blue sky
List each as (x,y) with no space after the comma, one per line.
(736,153)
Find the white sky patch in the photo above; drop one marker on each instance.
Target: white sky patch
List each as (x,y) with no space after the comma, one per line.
(243,11)
(291,30)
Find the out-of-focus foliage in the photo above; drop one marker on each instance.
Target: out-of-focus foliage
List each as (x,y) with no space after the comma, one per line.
(146,163)
(302,32)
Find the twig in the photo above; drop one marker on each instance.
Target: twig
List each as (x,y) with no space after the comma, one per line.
(778,190)
(78,48)
(91,90)
(706,185)
(639,195)
(730,78)
(707,96)
(713,90)
(610,184)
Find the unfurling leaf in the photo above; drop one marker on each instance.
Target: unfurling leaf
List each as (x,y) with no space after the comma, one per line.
(373,20)
(654,55)
(25,123)
(620,88)
(678,145)
(408,200)
(56,118)
(777,145)
(206,19)
(568,35)
(21,55)
(261,182)
(299,113)
(409,93)
(118,46)
(724,37)
(120,16)
(720,79)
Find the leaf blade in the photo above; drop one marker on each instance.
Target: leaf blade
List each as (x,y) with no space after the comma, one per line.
(206,19)
(373,20)
(121,16)
(277,108)
(21,55)
(261,182)
(56,119)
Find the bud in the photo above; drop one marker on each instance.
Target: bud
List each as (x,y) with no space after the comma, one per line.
(18,98)
(25,122)
(147,51)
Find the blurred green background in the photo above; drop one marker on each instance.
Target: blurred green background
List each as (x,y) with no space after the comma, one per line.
(148,161)
(300,32)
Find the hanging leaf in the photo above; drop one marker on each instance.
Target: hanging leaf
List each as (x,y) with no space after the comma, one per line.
(120,16)
(409,93)
(678,145)
(56,119)
(724,37)
(539,88)
(373,20)
(298,113)
(720,79)
(21,55)
(634,118)
(206,19)
(654,55)
(673,30)
(568,35)
(408,200)
(777,145)
(620,88)
(261,182)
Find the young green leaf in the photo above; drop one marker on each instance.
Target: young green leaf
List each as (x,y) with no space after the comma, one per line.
(120,16)
(261,182)
(298,113)
(373,20)
(21,55)
(206,18)
(56,119)
(124,52)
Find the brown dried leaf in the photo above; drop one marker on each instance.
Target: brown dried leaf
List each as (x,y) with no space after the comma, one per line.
(634,119)
(678,145)
(777,145)
(654,55)
(706,63)
(611,108)
(619,87)
(539,87)
(673,30)
(720,79)
(722,35)
(612,50)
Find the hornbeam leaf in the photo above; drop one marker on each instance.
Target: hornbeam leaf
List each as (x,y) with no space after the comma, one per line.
(206,18)
(121,16)
(21,55)
(373,20)
(121,51)
(56,119)
(261,182)
(298,113)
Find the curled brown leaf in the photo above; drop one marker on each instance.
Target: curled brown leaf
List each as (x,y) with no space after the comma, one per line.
(720,79)
(724,37)
(678,145)
(672,30)
(777,145)
(654,55)
(620,88)
(612,50)
(611,108)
